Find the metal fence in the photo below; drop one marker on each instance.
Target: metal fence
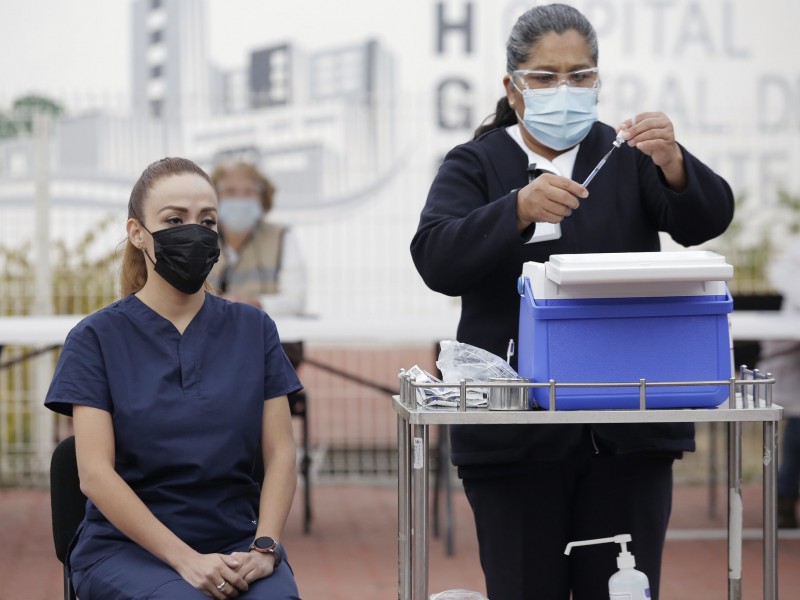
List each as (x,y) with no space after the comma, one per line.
(62,216)
(61,224)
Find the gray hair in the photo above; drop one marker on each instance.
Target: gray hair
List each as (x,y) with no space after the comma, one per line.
(541,20)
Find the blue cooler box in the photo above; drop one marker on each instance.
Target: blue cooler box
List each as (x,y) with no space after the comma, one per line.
(662,316)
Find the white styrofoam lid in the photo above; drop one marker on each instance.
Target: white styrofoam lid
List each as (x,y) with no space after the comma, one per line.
(626,267)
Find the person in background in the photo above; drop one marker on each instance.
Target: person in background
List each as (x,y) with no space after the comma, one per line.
(175,394)
(782,360)
(535,488)
(261,262)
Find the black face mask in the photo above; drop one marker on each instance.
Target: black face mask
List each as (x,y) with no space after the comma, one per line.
(185,255)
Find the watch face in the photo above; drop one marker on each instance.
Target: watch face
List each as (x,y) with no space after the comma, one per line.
(264,543)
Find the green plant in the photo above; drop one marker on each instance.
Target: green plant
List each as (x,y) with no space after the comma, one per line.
(24,110)
(8,128)
(754,237)
(84,278)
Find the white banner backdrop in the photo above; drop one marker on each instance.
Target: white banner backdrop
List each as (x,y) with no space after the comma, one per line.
(725,71)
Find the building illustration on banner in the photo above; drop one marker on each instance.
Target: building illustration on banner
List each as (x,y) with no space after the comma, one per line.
(319,122)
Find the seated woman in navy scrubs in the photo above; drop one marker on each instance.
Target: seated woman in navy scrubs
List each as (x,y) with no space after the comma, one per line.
(173,393)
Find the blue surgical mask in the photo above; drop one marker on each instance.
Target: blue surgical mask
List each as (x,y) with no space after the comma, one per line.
(560,119)
(240,214)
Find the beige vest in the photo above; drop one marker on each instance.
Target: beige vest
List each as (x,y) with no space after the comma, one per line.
(256,271)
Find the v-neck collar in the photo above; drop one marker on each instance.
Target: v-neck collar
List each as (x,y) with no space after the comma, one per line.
(150,315)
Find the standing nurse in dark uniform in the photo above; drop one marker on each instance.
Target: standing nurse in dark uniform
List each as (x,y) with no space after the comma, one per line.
(533,489)
(175,393)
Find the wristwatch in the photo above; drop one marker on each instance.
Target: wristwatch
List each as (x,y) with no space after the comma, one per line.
(266,545)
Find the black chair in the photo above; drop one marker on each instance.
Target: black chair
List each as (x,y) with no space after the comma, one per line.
(67,503)
(298,406)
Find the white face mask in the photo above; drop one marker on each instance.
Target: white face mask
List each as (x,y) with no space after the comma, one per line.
(560,119)
(240,214)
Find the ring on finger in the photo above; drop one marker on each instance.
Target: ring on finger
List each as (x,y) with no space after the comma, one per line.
(221,586)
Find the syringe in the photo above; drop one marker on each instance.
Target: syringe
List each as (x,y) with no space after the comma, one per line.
(616,144)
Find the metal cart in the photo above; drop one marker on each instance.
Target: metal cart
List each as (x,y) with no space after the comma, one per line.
(751,396)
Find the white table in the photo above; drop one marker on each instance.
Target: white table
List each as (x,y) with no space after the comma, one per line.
(35,331)
(764,325)
(413,422)
(50,330)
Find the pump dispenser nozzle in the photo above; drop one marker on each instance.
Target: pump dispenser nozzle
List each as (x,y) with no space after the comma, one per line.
(621,539)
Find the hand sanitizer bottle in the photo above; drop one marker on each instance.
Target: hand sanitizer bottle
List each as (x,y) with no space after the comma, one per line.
(627,583)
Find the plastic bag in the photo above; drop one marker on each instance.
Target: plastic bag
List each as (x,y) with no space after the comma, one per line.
(457,595)
(459,361)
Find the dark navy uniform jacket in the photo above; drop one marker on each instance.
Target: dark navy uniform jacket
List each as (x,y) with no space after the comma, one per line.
(467,245)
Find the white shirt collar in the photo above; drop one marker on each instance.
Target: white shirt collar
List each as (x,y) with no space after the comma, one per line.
(560,165)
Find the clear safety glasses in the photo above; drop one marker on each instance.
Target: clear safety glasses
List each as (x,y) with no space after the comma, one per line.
(547,82)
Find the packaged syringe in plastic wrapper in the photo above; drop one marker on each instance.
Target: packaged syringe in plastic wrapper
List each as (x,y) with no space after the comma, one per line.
(445,397)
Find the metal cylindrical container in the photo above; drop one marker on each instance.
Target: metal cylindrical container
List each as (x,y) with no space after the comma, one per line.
(507,397)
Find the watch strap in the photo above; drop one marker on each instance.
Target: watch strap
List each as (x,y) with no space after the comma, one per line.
(278,552)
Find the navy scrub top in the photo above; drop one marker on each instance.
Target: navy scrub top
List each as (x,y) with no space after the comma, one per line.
(187,413)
